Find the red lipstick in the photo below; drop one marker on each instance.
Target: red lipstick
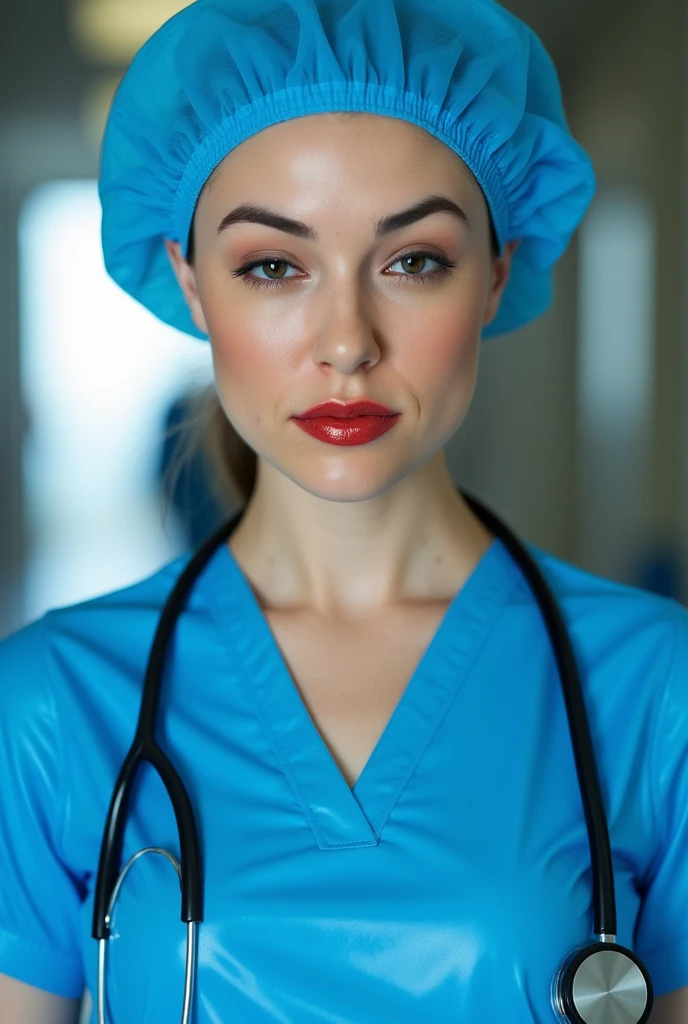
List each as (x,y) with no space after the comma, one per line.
(347,423)
(333,407)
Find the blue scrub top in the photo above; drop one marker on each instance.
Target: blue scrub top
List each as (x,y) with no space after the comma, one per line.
(448,885)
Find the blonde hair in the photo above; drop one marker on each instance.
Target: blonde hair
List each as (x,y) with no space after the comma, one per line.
(229,463)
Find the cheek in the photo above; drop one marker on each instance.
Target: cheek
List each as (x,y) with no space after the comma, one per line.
(247,363)
(252,365)
(443,326)
(444,340)
(440,359)
(249,338)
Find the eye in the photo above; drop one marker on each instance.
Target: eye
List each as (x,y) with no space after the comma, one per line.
(264,282)
(444,267)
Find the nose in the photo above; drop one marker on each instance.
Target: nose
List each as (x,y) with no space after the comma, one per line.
(349,336)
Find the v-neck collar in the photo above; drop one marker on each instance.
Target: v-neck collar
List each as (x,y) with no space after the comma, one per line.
(341,817)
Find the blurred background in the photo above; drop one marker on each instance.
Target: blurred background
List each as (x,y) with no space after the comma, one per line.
(577,431)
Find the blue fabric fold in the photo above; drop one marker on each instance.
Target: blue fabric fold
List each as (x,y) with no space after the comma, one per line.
(467,71)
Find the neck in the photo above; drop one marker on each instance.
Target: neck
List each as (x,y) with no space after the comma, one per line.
(417,541)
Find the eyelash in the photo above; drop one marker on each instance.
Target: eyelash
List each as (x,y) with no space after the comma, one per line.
(446,266)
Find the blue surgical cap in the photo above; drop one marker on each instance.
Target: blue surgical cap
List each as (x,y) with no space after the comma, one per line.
(467,71)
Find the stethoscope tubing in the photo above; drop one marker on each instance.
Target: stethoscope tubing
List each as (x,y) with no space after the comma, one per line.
(604,901)
(145,748)
(189,867)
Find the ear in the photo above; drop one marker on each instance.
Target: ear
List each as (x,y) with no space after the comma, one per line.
(186,277)
(501,268)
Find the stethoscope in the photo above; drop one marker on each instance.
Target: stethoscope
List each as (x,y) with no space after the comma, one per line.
(599,983)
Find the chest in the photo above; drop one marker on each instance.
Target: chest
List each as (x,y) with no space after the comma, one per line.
(448,888)
(478,886)
(351,678)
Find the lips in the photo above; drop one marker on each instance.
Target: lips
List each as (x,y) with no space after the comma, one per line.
(353,430)
(346,410)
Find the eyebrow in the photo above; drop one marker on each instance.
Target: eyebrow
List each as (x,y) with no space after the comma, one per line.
(259,215)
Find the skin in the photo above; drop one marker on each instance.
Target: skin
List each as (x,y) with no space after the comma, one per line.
(25,1004)
(347,532)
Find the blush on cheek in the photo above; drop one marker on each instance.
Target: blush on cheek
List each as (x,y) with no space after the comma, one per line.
(445,371)
(450,343)
(249,375)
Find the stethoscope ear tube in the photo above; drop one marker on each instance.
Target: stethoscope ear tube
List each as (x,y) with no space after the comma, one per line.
(190,857)
(145,748)
(191,876)
(191,952)
(111,847)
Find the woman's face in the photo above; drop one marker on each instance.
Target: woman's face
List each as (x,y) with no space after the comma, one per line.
(341,314)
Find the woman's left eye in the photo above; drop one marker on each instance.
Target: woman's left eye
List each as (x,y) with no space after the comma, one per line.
(444,267)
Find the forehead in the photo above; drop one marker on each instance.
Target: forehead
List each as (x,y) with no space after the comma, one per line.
(355,135)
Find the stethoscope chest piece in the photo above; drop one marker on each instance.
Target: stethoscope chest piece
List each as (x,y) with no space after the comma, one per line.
(601,983)
(604,983)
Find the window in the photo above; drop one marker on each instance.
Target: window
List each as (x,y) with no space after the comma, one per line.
(99,373)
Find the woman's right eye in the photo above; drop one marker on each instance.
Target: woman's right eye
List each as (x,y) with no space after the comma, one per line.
(263,282)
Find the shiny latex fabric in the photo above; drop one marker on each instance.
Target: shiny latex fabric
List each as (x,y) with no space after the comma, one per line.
(450,883)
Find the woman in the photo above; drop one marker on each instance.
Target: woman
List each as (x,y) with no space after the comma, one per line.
(361,697)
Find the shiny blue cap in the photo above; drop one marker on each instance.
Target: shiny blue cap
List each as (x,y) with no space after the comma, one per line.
(467,71)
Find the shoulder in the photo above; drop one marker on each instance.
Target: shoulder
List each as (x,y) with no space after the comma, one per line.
(630,647)
(616,624)
(37,659)
(582,590)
